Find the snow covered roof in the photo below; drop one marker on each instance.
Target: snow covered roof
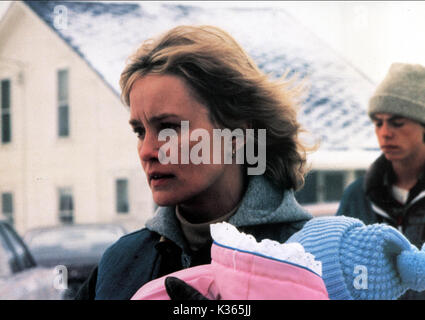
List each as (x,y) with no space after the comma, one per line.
(106,33)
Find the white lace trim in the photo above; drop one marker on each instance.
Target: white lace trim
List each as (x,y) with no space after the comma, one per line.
(227,235)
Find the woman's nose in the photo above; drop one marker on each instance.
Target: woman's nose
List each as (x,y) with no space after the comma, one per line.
(148,148)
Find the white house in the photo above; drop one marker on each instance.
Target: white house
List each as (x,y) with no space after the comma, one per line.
(67,153)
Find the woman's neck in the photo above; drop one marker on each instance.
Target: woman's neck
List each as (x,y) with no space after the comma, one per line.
(212,204)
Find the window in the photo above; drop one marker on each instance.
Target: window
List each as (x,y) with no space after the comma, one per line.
(333,185)
(121,186)
(66,206)
(63,104)
(322,186)
(7,206)
(5,125)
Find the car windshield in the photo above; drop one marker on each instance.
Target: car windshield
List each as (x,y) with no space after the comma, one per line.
(81,240)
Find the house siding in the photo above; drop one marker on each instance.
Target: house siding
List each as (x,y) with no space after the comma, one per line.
(99,149)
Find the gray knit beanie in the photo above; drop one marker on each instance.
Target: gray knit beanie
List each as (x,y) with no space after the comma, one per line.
(402,92)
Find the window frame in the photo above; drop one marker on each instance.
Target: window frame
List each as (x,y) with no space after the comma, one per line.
(8,215)
(65,216)
(5,111)
(63,108)
(122,203)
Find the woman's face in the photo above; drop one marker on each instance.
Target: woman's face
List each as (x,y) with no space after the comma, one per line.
(160,102)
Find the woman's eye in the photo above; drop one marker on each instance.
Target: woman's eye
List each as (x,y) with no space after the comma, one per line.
(140,132)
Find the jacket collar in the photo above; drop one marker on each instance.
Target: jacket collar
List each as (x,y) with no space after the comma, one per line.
(379,175)
(263,203)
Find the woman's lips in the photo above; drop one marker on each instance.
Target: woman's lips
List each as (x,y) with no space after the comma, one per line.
(157,180)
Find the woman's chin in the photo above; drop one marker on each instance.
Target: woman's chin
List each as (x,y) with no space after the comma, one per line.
(165,200)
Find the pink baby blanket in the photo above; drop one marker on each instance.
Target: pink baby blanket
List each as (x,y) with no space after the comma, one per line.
(239,274)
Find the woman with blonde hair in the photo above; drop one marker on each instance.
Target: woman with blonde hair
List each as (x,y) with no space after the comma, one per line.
(187,84)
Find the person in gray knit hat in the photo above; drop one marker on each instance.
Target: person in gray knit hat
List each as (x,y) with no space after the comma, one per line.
(393,189)
(401,93)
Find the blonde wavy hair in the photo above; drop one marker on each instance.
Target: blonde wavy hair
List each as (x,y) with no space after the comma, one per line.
(228,82)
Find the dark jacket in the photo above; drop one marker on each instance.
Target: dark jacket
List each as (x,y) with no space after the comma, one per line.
(160,248)
(370,199)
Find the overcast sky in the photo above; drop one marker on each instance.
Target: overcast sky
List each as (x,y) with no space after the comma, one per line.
(370,34)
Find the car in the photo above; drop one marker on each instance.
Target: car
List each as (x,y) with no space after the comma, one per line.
(322,208)
(20,277)
(75,248)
